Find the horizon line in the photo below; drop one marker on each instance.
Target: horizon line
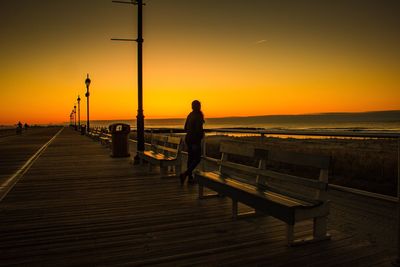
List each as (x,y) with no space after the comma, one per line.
(265,115)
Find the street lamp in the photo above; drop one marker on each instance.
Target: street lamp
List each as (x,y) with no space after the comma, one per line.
(140,115)
(87,82)
(139,40)
(75,116)
(72,118)
(79,112)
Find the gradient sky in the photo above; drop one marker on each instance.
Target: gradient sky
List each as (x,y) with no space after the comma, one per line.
(239,58)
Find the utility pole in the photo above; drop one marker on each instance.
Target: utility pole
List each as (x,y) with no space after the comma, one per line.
(139,40)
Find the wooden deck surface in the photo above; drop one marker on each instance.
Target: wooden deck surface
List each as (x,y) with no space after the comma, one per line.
(76,206)
(16,149)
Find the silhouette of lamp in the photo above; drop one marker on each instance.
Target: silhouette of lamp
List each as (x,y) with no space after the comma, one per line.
(72,118)
(87,83)
(75,116)
(79,112)
(139,40)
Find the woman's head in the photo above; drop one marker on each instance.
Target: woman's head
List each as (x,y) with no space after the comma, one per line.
(196,106)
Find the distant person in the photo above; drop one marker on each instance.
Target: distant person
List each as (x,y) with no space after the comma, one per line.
(26,126)
(19,128)
(194,135)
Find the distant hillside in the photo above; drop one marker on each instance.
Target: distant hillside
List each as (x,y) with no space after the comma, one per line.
(374,116)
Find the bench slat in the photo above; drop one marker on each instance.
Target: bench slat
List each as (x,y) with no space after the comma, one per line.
(158,137)
(288,193)
(174,140)
(157,156)
(169,149)
(315,184)
(276,175)
(240,167)
(295,158)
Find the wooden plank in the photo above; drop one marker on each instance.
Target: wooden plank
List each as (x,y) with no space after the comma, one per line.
(174,140)
(277,176)
(240,167)
(295,158)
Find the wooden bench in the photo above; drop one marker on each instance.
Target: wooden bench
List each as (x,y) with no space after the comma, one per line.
(105,139)
(286,197)
(94,133)
(165,151)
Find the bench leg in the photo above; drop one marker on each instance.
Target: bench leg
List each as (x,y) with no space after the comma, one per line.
(201,191)
(163,170)
(202,195)
(289,234)
(320,228)
(319,233)
(178,170)
(234,209)
(236,215)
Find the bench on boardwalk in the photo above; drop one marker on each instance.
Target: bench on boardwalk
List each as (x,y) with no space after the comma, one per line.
(105,139)
(94,133)
(286,197)
(165,151)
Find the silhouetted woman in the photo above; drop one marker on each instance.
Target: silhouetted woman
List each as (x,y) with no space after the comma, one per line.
(194,135)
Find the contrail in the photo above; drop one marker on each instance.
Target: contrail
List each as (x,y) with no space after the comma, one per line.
(260,41)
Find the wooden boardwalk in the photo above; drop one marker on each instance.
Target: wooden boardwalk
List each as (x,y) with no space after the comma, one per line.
(16,149)
(76,206)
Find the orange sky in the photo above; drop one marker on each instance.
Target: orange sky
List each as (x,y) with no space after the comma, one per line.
(262,58)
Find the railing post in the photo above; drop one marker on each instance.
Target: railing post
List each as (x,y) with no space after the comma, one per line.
(262,138)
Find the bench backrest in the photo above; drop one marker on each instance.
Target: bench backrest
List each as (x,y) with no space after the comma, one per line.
(238,161)
(257,172)
(158,142)
(294,185)
(170,146)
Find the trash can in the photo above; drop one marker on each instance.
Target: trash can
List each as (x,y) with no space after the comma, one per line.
(120,139)
(83,129)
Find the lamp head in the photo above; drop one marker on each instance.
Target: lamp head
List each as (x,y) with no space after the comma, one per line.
(87,81)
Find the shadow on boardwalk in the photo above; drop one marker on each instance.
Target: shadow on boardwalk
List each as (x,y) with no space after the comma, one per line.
(78,206)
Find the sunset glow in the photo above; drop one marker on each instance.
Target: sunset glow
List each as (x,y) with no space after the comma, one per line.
(259,59)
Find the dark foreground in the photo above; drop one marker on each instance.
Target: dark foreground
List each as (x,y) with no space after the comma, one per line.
(78,206)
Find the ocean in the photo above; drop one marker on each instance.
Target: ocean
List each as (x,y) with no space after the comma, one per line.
(385,121)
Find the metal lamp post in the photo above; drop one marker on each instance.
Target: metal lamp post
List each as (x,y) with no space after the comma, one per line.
(72,118)
(139,40)
(75,117)
(79,112)
(140,115)
(87,83)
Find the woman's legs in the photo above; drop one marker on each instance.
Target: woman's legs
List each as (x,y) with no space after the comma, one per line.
(194,158)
